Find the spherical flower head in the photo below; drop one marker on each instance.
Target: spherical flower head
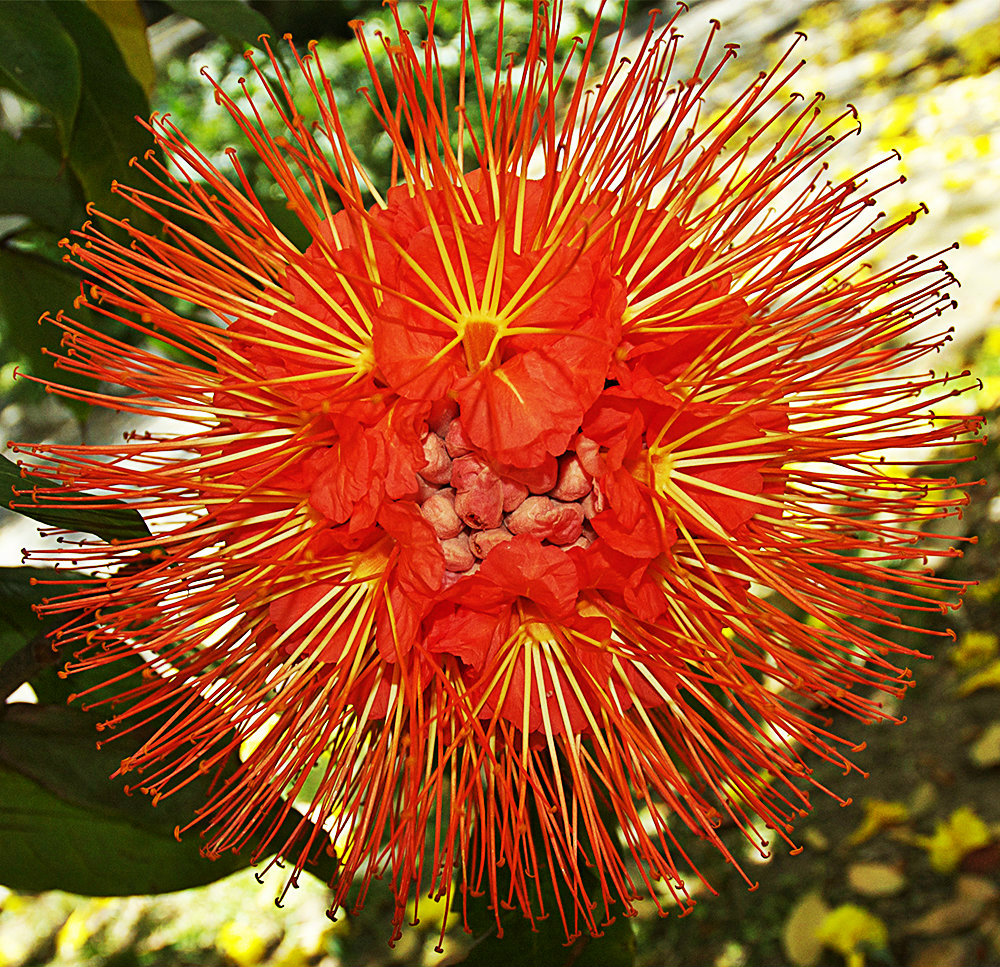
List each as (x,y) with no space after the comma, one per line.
(542,501)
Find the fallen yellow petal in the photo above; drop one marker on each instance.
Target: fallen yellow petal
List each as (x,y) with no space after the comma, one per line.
(954,838)
(879,814)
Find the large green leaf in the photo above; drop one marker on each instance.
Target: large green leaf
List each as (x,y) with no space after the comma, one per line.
(26,653)
(66,826)
(40,60)
(35,182)
(71,511)
(128,26)
(238,22)
(105,135)
(30,284)
(18,623)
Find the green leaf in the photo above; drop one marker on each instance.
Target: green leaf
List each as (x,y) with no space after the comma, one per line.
(66,826)
(238,22)
(35,182)
(18,623)
(70,511)
(545,946)
(30,284)
(128,26)
(26,654)
(106,135)
(40,60)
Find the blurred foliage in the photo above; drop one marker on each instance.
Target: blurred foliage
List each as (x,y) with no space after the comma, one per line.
(67,107)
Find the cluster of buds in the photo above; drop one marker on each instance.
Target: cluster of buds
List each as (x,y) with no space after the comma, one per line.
(474,505)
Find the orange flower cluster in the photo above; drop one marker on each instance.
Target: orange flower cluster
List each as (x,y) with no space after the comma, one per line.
(542,501)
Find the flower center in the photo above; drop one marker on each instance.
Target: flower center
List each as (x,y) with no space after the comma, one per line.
(371,561)
(480,338)
(473,505)
(661,460)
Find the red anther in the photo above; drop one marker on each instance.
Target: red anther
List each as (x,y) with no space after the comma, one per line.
(547,520)
(457,443)
(439,511)
(574,482)
(457,554)
(513,495)
(482,542)
(437,469)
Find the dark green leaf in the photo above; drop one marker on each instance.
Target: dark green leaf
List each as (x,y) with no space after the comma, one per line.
(30,284)
(18,623)
(125,20)
(26,653)
(27,284)
(546,945)
(50,844)
(70,511)
(65,825)
(35,182)
(236,21)
(40,60)
(106,135)
(33,280)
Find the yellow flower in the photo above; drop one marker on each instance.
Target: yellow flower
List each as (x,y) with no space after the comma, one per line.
(954,838)
(878,815)
(849,928)
(989,677)
(974,649)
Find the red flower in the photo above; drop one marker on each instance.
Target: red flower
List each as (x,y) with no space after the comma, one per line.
(549,484)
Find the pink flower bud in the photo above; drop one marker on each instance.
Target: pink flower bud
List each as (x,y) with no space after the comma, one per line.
(455,440)
(547,520)
(457,554)
(589,454)
(539,479)
(439,511)
(482,506)
(594,502)
(437,466)
(424,489)
(482,542)
(574,482)
(465,471)
(513,495)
